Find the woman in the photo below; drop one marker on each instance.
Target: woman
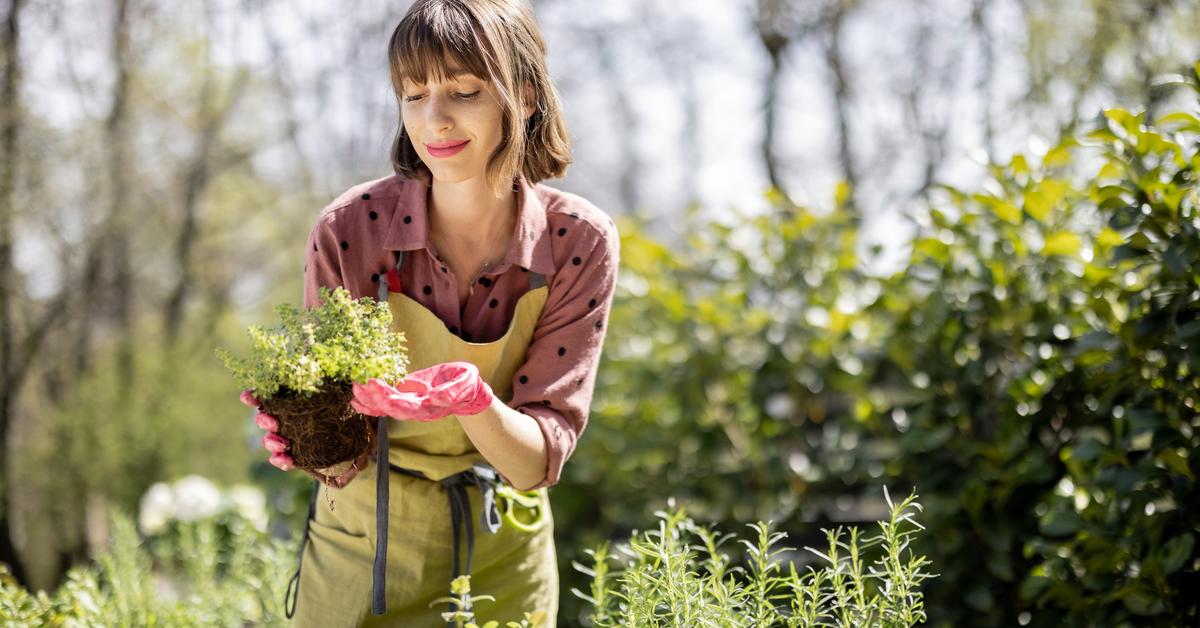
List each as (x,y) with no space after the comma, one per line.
(502,287)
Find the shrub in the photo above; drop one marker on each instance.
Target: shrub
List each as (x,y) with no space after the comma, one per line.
(1033,368)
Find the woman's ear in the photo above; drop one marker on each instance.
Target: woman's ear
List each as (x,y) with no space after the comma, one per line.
(530,101)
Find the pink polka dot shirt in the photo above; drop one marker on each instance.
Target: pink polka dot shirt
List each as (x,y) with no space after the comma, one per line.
(558,234)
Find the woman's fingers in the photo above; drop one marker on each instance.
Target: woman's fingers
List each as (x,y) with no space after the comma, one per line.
(267,422)
(274,443)
(365,409)
(342,480)
(247,397)
(281,461)
(379,399)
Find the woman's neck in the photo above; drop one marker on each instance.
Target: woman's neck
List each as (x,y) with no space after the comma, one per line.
(468,218)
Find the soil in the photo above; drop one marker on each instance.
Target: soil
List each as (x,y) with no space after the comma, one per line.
(322,429)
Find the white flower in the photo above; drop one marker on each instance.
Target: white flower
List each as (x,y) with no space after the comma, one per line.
(250,503)
(156,508)
(196,498)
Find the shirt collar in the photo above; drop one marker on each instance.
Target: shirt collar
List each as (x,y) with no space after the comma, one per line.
(529,249)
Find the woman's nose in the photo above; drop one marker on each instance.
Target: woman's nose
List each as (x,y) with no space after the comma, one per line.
(438,113)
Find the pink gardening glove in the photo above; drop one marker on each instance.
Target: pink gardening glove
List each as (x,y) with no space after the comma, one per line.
(278,445)
(426,395)
(272,441)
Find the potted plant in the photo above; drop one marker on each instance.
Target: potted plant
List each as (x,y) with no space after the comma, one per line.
(301,372)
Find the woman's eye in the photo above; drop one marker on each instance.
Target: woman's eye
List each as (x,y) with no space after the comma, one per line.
(462,96)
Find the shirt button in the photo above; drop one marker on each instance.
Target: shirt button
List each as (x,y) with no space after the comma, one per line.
(557,431)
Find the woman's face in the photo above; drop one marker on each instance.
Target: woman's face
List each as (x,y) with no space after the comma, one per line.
(453,125)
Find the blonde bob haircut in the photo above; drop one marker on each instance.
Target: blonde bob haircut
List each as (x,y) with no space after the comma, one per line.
(498,41)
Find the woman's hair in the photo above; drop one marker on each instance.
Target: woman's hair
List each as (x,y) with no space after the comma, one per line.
(498,41)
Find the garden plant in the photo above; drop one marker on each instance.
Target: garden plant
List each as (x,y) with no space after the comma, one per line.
(302,373)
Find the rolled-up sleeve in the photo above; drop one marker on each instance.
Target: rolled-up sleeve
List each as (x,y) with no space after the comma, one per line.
(341,252)
(556,382)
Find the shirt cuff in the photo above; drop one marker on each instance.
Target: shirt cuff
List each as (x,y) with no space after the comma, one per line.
(559,440)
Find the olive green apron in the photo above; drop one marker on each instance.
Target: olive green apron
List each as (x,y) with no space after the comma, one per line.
(430,490)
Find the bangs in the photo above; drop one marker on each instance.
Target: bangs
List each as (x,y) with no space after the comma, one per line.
(439,37)
(499,42)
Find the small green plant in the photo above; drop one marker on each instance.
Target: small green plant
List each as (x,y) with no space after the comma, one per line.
(342,339)
(667,578)
(303,370)
(463,614)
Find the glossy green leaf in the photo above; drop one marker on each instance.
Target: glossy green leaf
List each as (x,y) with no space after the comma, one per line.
(1060,523)
(1061,243)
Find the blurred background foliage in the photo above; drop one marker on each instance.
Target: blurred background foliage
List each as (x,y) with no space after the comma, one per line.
(1033,370)
(1027,363)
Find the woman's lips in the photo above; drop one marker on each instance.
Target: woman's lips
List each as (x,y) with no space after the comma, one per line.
(447,150)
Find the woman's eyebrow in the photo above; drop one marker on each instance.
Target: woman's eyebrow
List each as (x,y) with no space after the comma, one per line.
(453,75)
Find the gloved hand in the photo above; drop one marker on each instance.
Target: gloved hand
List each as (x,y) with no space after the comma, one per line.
(278,445)
(426,395)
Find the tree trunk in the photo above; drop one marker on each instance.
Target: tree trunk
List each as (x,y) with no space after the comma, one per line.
(835,63)
(10,112)
(774,41)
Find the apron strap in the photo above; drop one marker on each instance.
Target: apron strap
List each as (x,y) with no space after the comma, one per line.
(392,283)
(536,280)
(485,478)
(382,484)
(481,475)
(293,587)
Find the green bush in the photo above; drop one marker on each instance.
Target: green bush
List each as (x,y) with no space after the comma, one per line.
(341,339)
(1033,368)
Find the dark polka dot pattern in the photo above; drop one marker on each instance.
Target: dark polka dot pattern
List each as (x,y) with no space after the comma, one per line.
(577,261)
